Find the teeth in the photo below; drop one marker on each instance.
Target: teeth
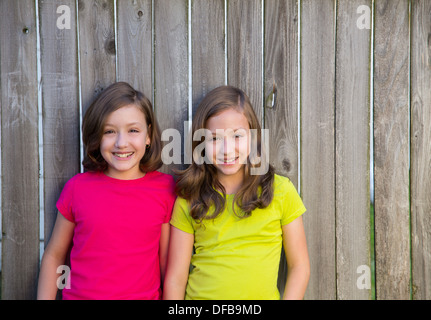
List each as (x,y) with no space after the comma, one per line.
(123,155)
(230,161)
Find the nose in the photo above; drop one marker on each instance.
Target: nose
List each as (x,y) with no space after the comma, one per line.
(121,141)
(228,145)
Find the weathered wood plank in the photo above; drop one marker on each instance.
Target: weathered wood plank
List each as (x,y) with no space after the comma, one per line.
(352,152)
(281,109)
(60,105)
(208,47)
(281,74)
(391,149)
(317,143)
(421,149)
(244,29)
(19,160)
(171,72)
(135,48)
(97,48)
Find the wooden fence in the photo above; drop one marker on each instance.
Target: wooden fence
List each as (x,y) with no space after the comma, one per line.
(351,121)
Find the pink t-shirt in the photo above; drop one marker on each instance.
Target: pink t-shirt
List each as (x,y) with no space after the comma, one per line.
(115,252)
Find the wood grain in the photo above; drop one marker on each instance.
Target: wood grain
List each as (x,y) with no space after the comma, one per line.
(135,45)
(281,75)
(352,163)
(245,50)
(60,106)
(171,69)
(421,149)
(317,143)
(391,149)
(19,142)
(97,48)
(208,47)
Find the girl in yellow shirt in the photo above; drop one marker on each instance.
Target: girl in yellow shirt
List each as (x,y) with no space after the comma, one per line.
(234,212)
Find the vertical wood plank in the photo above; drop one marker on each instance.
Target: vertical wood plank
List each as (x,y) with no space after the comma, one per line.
(19,163)
(281,73)
(391,149)
(245,50)
(208,47)
(352,150)
(421,149)
(60,105)
(135,48)
(317,143)
(97,48)
(171,69)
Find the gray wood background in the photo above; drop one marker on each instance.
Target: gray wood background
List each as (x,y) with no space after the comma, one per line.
(351,123)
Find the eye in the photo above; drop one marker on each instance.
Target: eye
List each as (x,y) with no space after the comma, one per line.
(108,131)
(134,130)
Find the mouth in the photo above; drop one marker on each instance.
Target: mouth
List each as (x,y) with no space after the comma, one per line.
(122,154)
(228,161)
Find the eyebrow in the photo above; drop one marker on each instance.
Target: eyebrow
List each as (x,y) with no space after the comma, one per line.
(131,124)
(234,130)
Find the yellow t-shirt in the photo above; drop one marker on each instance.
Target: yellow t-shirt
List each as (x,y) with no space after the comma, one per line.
(238,259)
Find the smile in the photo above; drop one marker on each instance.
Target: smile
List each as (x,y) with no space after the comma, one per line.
(229,161)
(123,155)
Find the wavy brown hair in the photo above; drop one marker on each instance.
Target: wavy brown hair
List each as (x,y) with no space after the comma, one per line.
(117,95)
(198,184)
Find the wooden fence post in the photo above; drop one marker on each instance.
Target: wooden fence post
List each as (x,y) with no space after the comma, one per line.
(20,156)
(391,149)
(318,143)
(352,150)
(421,149)
(281,93)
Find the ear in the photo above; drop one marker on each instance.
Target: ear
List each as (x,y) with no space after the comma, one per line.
(148,140)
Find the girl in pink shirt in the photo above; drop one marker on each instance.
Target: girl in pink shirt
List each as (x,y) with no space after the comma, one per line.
(116,214)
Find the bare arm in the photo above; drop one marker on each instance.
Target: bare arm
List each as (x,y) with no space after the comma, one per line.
(178,264)
(298,264)
(53,257)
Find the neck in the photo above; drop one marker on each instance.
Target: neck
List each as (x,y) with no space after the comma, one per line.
(231,184)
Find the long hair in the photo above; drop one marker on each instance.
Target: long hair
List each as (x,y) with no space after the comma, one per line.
(199,185)
(117,95)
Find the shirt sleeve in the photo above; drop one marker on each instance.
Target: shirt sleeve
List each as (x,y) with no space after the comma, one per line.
(181,218)
(64,203)
(293,207)
(170,200)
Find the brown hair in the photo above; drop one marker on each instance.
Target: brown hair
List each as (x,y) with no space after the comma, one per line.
(117,95)
(199,184)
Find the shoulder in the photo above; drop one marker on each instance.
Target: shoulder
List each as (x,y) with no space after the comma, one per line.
(82,182)
(181,203)
(77,178)
(282,183)
(162,182)
(85,177)
(160,177)
(284,188)
(181,218)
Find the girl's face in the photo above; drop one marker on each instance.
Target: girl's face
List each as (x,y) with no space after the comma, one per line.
(227,146)
(124,140)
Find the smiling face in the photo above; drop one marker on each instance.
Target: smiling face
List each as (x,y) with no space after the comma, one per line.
(124,140)
(227,145)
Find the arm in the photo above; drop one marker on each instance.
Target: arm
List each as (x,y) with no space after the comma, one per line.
(298,264)
(178,265)
(163,251)
(53,257)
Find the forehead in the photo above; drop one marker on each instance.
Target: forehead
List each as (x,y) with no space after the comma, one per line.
(129,111)
(126,114)
(228,119)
